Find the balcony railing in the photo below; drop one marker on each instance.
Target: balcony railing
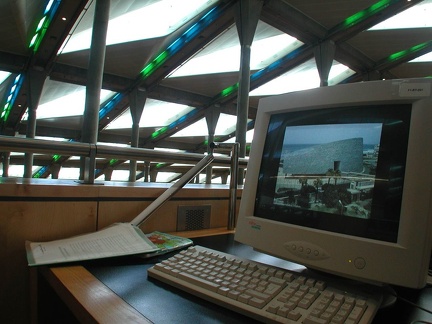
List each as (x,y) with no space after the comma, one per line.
(93,151)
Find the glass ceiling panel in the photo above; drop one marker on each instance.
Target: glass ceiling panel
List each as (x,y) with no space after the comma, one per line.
(226,125)
(137,20)
(302,77)
(249,137)
(155,114)
(424,58)
(223,54)
(17,170)
(69,173)
(3,76)
(418,16)
(61,99)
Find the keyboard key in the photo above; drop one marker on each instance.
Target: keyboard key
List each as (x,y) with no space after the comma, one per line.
(294,315)
(314,320)
(257,302)
(198,281)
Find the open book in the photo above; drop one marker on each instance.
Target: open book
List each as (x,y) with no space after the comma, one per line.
(116,240)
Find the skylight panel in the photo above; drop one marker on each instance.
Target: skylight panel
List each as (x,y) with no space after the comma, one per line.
(157,19)
(155,114)
(3,76)
(249,137)
(17,170)
(263,53)
(61,99)
(226,124)
(418,16)
(223,56)
(69,173)
(69,105)
(198,128)
(424,58)
(302,77)
(338,73)
(120,175)
(166,176)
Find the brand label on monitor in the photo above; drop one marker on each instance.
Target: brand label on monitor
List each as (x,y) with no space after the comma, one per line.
(414,89)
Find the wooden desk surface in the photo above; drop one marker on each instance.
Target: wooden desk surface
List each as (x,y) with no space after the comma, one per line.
(90,300)
(104,293)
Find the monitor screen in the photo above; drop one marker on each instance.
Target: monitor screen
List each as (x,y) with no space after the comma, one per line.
(333,180)
(328,169)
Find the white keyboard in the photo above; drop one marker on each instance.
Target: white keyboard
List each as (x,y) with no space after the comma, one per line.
(264,292)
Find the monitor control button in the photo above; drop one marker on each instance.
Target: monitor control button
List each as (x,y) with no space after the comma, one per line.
(306,250)
(359,263)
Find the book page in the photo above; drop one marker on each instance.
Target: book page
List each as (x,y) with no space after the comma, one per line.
(116,240)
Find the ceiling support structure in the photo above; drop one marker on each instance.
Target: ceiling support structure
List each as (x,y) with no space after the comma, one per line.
(212,117)
(324,55)
(137,100)
(247,14)
(94,84)
(35,80)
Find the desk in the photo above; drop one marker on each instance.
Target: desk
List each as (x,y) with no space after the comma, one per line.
(118,290)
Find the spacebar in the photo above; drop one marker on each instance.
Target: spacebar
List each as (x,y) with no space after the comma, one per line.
(198,281)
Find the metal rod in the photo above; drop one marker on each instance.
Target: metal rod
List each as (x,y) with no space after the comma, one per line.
(188,176)
(234,169)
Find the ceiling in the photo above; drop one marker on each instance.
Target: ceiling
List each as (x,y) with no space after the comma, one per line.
(339,25)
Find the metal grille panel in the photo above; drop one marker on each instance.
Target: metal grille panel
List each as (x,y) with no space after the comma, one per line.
(190,218)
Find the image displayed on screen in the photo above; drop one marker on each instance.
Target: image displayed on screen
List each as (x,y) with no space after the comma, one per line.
(339,170)
(329,168)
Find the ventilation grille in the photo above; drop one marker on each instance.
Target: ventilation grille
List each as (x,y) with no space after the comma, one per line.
(191,218)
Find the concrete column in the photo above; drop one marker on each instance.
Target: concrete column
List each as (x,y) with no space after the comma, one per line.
(224,178)
(108,173)
(324,55)
(94,83)
(247,16)
(55,170)
(153,176)
(35,81)
(6,161)
(212,116)
(137,100)
(146,171)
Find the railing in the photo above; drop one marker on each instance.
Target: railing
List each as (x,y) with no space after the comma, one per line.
(91,151)
(28,145)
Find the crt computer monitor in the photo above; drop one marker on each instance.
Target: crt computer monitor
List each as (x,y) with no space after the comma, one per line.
(339,180)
